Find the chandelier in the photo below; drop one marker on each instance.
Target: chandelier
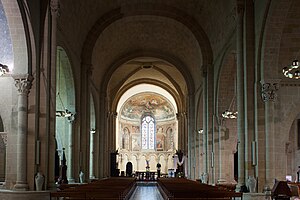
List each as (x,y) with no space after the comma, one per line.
(292,71)
(231,112)
(3,69)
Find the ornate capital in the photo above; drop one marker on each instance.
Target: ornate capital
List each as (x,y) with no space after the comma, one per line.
(240,7)
(269,89)
(23,83)
(54,6)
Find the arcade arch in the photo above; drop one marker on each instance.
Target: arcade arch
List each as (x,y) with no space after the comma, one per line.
(137,105)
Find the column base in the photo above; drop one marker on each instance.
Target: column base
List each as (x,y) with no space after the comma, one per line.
(71,180)
(21,187)
(267,190)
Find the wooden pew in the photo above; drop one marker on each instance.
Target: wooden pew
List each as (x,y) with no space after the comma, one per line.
(178,189)
(109,189)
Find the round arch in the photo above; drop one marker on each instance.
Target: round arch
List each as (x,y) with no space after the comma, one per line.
(173,61)
(21,42)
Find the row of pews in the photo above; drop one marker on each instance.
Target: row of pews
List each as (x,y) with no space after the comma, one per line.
(109,189)
(185,189)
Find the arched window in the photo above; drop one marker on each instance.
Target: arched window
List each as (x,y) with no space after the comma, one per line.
(148,132)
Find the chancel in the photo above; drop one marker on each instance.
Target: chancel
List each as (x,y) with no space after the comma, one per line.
(166,99)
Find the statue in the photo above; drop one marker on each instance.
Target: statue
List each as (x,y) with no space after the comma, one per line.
(63,171)
(81,177)
(158,166)
(180,162)
(251,184)
(39,181)
(204,178)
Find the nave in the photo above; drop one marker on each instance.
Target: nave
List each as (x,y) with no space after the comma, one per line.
(128,188)
(147,191)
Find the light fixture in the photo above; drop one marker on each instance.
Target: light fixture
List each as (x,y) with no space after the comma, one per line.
(292,71)
(93,130)
(3,69)
(231,112)
(63,113)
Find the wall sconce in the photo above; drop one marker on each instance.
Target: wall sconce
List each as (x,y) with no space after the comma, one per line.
(3,69)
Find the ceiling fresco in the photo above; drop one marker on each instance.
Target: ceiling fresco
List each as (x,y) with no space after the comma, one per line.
(137,105)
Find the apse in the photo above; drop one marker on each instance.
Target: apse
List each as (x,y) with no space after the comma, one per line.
(146,128)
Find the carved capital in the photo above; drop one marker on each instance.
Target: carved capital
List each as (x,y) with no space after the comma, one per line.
(54,6)
(23,83)
(240,7)
(269,89)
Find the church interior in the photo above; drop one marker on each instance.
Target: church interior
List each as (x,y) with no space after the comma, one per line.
(149,89)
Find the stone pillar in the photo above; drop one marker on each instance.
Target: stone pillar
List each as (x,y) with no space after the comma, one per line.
(23,84)
(220,178)
(70,157)
(240,94)
(191,138)
(3,136)
(167,163)
(137,164)
(205,120)
(269,96)
(92,135)
(51,95)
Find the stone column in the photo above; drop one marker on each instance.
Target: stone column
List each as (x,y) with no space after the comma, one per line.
(70,163)
(205,120)
(51,31)
(3,136)
(240,94)
(92,135)
(269,96)
(220,134)
(23,84)
(191,138)
(167,162)
(137,164)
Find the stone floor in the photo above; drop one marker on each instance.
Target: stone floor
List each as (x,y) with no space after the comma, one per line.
(147,190)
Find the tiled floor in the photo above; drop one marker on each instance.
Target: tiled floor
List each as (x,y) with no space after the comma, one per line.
(144,192)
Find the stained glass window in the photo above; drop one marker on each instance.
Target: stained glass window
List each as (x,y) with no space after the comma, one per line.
(148,132)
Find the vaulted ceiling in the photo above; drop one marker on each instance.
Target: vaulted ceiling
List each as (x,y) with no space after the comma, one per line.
(129,41)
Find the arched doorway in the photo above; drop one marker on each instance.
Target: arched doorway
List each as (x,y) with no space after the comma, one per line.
(147,128)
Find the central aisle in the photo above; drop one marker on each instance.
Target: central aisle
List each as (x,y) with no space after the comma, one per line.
(147,191)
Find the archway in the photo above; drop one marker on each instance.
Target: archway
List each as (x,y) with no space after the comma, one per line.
(146,128)
(65,110)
